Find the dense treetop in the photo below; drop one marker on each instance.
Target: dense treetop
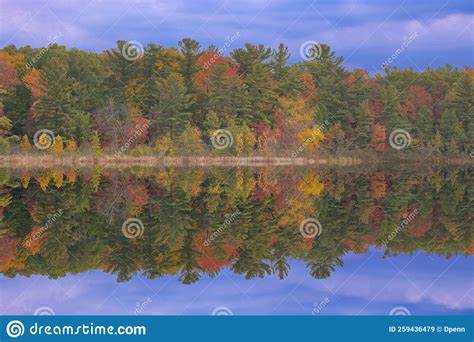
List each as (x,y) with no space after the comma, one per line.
(176,98)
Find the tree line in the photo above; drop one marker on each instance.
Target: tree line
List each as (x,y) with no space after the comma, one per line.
(177,98)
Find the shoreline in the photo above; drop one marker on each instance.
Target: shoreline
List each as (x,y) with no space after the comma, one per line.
(47,161)
(32,161)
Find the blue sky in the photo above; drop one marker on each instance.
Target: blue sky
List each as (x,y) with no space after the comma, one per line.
(366,285)
(365,32)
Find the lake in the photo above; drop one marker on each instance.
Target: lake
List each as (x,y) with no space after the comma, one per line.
(302,240)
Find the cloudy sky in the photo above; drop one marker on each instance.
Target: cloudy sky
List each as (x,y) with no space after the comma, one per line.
(367,33)
(366,285)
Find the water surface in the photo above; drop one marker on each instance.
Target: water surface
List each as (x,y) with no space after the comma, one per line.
(240,240)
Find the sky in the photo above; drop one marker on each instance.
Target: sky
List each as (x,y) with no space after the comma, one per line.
(366,285)
(429,33)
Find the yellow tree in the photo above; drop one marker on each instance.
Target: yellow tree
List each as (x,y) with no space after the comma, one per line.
(58,145)
(71,145)
(299,124)
(25,143)
(311,185)
(58,178)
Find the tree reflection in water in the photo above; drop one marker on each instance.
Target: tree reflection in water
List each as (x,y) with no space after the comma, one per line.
(190,222)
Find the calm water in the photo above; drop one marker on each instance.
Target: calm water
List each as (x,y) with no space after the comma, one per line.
(263,241)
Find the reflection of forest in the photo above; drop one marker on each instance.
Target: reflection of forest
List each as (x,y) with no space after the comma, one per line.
(58,222)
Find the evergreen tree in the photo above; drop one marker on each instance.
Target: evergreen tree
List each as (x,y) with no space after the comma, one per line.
(424,125)
(447,124)
(462,102)
(173,106)
(364,124)
(328,74)
(16,106)
(190,52)
(459,136)
(390,115)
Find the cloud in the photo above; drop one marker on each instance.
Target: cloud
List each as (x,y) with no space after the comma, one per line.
(367,284)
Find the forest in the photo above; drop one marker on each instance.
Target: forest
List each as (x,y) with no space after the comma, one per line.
(196,222)
(160,101)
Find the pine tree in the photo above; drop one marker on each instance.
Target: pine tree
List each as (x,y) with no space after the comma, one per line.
(95,144)
(328,74)
(259,90)
(16,105)
(424,125)
(470,138)
(248,138)
(220,97)
(57,101)
(459,136)
(437,142)
(288,79)
(249,56)
(279,62)
(447,124)
(452,148)
(364,124)
(173,106)
(212,123)
(260,93)
(190,52)
(390,115)
(462,102)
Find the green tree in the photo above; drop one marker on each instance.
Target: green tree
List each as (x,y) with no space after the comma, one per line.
(424,125)
(16,105)
(447,124)
(190,53)
(364,124)
(173,106)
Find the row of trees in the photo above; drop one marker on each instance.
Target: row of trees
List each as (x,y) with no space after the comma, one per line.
(58,222)
(182,95)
